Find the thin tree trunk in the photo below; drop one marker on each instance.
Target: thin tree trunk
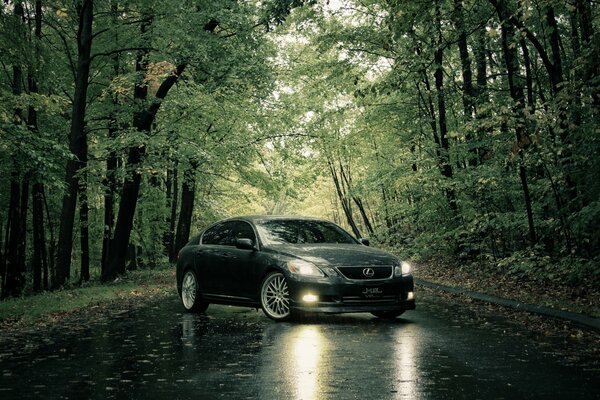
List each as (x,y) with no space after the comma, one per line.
(481,63)
(465,62)
(439,85)
(346,177)
(22,232)
(110,189)
(516,92)
(50,274)
(84,275)
(112,164)
(40,257)
(528,76)
(344,201)
(11,269)
(172,203)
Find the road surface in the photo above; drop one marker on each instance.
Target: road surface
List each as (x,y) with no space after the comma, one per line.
(442,350)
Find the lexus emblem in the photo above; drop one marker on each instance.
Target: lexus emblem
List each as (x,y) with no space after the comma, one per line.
(368,272)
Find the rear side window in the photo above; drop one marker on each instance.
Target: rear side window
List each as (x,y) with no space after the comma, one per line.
(220,234)
(226,233)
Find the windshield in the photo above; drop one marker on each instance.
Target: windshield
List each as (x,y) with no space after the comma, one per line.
(295,231)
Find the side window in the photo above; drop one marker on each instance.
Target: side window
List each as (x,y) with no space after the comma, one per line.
(243,230)
(219,234)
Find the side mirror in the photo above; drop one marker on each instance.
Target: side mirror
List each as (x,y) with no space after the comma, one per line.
(364,241)
(245,244)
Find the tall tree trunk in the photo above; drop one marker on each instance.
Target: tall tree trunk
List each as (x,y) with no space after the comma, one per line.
(112,164)
(77,142)
(172,196)
(528,76)
(22,232)
(465,61)
(188,194)
(439,85)
(14,271)
(110,190)
(131,185)
(467,77)
(40,257)
(84,275)
(50,274)
(11,270)
(480,61)
(516,93)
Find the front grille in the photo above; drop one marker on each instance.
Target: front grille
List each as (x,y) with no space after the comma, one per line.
(358,273)
(357,300)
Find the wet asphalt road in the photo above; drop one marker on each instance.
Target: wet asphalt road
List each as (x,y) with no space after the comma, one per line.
(439,351)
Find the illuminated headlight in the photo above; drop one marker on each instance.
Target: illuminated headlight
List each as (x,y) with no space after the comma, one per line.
(403,269)
(410,296)
(310,298)
(301,267)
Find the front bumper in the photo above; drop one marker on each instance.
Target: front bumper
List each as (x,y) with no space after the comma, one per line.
(340,295)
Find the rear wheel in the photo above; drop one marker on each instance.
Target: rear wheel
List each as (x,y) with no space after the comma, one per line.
(387,314)
(275,297)
(190,293)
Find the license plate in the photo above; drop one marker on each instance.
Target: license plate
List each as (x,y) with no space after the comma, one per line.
(372,292)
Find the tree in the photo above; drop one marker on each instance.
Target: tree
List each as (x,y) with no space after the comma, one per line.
(77,140)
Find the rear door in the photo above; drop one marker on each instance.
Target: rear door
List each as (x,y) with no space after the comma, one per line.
(212,257)
(242,265)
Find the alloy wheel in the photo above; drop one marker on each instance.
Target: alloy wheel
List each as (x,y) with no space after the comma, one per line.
(275,297)
(189,290)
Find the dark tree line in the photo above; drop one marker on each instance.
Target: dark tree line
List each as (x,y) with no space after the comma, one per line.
(105,71)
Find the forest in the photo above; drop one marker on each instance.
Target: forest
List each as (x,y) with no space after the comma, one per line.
(457,130)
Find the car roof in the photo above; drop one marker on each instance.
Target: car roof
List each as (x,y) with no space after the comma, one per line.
(262,218)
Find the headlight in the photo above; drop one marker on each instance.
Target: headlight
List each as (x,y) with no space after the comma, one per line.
(403,269)
(305,268)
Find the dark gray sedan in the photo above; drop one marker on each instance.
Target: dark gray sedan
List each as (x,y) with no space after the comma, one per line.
(291,265)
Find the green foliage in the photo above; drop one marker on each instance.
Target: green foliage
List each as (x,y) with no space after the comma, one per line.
(279,96)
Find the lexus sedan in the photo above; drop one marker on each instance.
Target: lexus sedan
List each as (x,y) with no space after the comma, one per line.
(289,266)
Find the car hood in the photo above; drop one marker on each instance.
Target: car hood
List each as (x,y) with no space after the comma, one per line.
(335,254)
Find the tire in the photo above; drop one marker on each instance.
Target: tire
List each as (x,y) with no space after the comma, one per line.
(275,297)
(388,314)
(191,297)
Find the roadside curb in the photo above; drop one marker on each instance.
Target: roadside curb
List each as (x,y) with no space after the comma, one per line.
(580,319)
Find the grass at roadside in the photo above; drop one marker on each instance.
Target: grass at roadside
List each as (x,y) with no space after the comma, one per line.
(584,299)
(52,305)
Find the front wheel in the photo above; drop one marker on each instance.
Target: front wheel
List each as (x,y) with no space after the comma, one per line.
(190,293)
(387,314)
(275,297)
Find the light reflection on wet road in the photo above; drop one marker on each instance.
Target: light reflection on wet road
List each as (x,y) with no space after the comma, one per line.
(439,351)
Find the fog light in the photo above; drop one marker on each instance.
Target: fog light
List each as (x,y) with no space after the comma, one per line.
(410,295)
(310,298)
